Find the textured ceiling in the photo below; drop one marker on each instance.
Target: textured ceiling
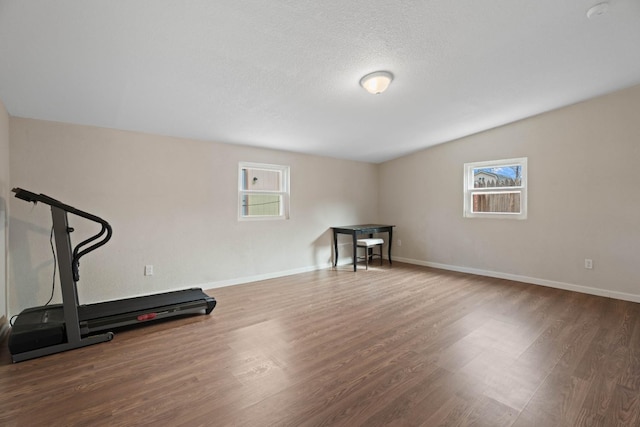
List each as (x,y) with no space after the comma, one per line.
(284,74)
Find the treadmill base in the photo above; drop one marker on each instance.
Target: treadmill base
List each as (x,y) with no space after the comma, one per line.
(39,331)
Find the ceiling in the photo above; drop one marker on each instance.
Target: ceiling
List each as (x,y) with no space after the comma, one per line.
(284,74)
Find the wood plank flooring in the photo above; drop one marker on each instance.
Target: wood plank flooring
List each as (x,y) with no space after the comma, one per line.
(402,345)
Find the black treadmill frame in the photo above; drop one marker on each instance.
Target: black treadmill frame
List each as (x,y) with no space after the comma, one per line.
(77,329)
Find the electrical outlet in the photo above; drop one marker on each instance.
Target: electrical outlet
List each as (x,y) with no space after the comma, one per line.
(148,270)
(588,263)
(399,242)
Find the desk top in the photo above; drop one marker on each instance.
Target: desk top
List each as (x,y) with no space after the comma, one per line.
(362,228)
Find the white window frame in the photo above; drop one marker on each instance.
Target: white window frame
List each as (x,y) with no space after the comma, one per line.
(469,189)
(284,192)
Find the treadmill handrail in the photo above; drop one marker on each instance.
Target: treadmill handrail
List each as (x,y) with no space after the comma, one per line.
(77,254)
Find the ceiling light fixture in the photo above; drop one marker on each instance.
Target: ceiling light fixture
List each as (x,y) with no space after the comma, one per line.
(377,82)
(598,10)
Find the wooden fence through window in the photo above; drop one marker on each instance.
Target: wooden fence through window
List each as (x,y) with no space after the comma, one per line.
(497,202)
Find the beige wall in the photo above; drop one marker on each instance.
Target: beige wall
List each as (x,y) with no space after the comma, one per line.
(584,200)
(4,195)
(172,203)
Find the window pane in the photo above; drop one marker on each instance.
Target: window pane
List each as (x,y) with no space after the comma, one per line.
(261,205)
(499,176)
(261,179)
(496,202)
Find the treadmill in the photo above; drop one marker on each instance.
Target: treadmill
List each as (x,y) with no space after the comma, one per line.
(49,329)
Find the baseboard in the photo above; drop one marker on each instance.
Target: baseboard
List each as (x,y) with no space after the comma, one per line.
(499,275)
(526,279)
(274,275)
(259,277)
(4,328)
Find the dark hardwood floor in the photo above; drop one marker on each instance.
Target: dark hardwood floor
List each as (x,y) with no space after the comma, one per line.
(405,345)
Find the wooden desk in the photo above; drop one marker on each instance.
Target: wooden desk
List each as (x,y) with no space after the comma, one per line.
(355,231)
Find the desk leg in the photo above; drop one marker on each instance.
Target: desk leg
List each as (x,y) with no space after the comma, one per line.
(355,251)
(335,248)
(390,240)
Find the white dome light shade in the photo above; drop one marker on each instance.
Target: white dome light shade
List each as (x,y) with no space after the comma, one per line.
(377,82)
(598,10)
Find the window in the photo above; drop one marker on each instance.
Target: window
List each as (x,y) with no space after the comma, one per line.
(496,189)
(263,191)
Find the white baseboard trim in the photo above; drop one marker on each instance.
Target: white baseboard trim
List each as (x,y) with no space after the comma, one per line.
(526,279)
(259,277)
(497,274)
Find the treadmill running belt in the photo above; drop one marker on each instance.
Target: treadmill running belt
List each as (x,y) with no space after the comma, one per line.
(148,302)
